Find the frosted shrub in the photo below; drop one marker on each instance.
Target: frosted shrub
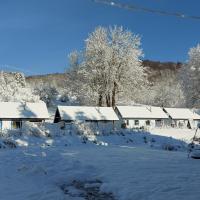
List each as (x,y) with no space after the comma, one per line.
(30,128)
(9,133)
(84,129)
(64,98)
(7,143)
(169,147)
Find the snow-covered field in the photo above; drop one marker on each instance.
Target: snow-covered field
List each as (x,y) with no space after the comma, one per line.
(126,166)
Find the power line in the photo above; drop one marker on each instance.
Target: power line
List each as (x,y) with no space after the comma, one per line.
(134,8)
(19,69)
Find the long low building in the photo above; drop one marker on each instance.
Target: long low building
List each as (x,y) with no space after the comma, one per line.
(100,116)
(182,117)
(141,116)
(14,114)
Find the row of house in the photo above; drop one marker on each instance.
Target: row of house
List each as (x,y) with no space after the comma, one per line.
(13,115)
(139,117)
(150,116)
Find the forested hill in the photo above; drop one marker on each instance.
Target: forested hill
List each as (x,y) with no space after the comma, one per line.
(154,68)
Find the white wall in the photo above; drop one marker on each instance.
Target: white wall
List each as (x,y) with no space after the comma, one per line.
(103,127)
(182,124)
(196,122)
(142,123)
(7,125)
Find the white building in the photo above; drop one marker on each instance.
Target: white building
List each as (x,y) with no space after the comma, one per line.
(141,117)
(182,117)
(14,114)
(101,117)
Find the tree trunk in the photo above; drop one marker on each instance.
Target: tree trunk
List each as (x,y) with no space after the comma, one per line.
(114,95)
(108,103)
(100,100)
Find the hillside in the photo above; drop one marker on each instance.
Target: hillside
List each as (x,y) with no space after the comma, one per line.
(153,68)
(58,78)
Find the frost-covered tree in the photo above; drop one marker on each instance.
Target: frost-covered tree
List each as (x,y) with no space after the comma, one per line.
(47,92)
(190,77)
(13,88)
(165,91)
(111,65)
(76,89)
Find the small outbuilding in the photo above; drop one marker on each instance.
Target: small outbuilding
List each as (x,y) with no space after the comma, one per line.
(141,117)
(101,117)
(14,114)
(182,117)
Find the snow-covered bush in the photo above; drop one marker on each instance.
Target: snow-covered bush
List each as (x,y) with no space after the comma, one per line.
(10,132)
(13,88)
(7,143)
(64,98)
(68,98)
(84,129)
(46,92)
(33,129)
(169,147)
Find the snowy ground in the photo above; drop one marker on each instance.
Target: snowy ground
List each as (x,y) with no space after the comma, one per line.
(131,166)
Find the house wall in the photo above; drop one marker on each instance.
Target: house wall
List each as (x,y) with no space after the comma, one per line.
(181,123)
(132,123)
(106,126)
(97,126)
(143,123)
(7,124)
(196,122)
(178,123)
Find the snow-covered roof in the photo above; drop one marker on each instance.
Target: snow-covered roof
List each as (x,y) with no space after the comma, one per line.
(182,113)
(87,113)
(141,112)
(17,110)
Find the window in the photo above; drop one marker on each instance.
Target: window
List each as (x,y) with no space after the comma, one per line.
(35,120)
(0,125)
(159,123)
(148,123)
(127,122)
(16,124)
(137,122)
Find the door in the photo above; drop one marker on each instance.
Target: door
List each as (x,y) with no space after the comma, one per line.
(16,124)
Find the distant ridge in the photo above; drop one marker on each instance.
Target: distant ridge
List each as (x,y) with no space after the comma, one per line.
(153,68)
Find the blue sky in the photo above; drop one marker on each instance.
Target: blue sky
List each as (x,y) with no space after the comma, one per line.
(37,35)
